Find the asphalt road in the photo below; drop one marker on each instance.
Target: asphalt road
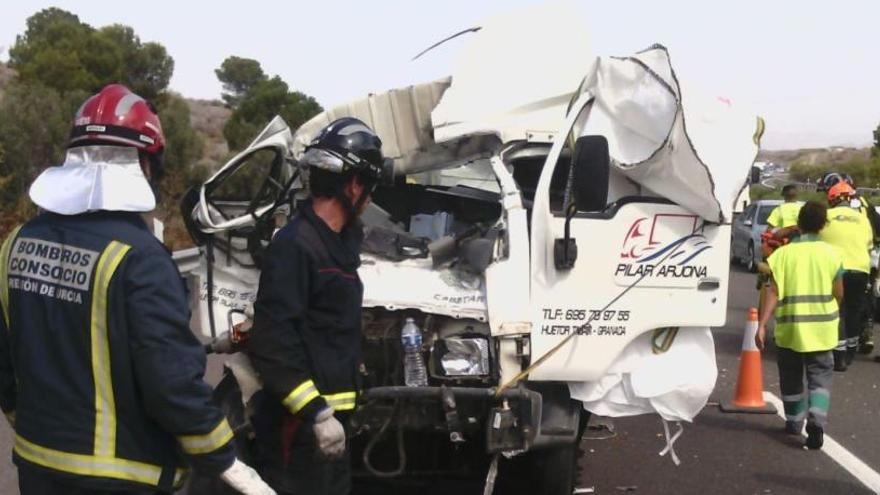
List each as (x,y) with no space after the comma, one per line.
(720,453)
(739,454)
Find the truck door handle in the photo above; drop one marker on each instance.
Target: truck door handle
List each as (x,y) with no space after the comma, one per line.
(708,284)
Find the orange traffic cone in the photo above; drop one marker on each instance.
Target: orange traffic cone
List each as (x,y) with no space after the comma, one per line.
(750,384)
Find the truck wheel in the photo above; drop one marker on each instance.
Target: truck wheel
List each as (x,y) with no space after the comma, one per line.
(552,471)
(751,264)
(543,472)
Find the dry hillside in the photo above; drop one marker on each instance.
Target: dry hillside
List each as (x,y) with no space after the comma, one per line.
(208,118)
(6,75)
(816,156)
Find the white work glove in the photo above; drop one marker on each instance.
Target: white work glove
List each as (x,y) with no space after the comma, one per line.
(877,287)
(244,479)
(329,434)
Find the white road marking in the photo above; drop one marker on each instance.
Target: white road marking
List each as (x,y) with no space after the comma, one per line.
(838,453)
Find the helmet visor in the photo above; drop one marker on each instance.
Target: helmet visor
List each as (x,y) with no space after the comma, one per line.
(323,159)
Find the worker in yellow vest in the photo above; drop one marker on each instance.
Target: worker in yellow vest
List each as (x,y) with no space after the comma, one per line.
(785,215)
(805,291)
(829,180)
(849,231)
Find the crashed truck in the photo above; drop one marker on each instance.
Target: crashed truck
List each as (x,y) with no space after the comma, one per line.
(560,234)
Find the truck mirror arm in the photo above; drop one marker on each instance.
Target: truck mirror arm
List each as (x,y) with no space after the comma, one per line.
(565,249)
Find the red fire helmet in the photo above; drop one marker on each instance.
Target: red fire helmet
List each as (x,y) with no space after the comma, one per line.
(116,116)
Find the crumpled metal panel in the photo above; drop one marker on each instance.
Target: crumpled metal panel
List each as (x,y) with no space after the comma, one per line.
(415,284)
(401,118)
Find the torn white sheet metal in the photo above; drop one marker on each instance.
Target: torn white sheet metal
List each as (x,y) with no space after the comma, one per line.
(691,149)
(694,150)
(517,76)
(402,119)
(415,284)
(675,384)
(276,136)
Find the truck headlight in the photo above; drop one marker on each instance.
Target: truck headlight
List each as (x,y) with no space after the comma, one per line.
(463,356)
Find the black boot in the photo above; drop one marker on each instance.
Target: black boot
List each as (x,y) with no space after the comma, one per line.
(850,355)
(839,361)
(815,437)
(866,341)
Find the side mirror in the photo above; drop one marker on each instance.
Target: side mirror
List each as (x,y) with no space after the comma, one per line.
(591,166)
(588,190)
(748,222)
(755,175)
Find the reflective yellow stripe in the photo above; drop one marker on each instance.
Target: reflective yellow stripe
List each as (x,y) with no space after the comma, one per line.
(105,403)
(202,444)
(4,274)
(344,401)
(10,416)
(300,397)
(87,465)
(179,477)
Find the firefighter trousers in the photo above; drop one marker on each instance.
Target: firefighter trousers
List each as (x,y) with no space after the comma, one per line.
(299,470)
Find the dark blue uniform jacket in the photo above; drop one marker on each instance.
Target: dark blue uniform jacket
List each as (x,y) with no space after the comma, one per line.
(98,367)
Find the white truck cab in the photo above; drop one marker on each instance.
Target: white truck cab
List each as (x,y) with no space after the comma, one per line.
(536,245)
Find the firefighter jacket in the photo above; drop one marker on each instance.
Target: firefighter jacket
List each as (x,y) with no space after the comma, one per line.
(98,366)
(306,339)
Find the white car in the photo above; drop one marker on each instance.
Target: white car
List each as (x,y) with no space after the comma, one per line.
(745,241)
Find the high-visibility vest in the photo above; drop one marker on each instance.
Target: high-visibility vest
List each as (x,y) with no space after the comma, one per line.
(849,231)
(785,215)
(807,314)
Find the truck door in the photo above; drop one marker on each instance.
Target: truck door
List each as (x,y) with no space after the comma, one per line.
(231,220)
(609,271)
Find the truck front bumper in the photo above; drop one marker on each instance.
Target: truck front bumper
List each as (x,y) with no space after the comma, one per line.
(506,422)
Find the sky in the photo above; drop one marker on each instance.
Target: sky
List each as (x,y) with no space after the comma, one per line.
(810,68)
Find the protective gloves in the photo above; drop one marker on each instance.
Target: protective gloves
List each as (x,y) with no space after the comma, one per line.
(244,479)
(330,435)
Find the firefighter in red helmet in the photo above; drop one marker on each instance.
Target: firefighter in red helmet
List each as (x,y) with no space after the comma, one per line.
(100,375)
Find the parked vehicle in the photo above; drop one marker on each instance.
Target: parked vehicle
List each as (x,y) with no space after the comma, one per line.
(745,243)
(538,228)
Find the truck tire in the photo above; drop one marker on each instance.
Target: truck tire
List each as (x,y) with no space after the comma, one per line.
(544,472)
(552,471)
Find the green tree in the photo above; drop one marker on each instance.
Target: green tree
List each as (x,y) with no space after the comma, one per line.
(183,145)
(239,76)
(34,125)
(51,49)
(65,54)
(265,100)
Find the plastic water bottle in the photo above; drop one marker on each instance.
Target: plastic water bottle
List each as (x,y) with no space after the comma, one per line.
(415,374)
